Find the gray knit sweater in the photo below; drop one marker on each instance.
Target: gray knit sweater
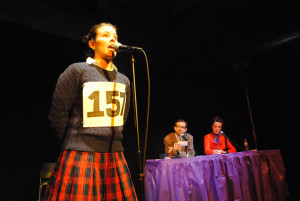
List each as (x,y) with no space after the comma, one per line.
(66,113)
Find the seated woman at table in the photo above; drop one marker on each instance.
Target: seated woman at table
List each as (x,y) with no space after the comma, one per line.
(214,142)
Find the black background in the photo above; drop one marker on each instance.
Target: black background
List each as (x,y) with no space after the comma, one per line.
(201,60)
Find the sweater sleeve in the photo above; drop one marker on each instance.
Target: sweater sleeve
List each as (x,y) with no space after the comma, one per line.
(63,97)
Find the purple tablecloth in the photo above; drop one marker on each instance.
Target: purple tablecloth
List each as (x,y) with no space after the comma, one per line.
(242,176)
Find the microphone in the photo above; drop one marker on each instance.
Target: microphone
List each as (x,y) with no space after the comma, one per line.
(125,48)
(222,133)
(182,135)
(226,148)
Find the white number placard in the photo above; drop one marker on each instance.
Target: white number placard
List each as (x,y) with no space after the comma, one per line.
(183,143)
(103,104)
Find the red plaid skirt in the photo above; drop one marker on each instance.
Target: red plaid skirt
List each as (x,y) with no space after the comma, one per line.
(91,176)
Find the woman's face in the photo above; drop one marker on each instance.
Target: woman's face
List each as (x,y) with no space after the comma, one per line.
(104,43)
(217,127)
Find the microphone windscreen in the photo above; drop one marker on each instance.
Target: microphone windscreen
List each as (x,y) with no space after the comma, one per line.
(117,45)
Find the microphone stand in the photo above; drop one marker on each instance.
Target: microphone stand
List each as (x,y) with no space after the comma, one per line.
(141,168)
(186,148)
(226,138)
(250,113)
(226,149)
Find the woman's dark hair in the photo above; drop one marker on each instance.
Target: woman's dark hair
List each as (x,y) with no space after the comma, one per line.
(217,119)
(92,36)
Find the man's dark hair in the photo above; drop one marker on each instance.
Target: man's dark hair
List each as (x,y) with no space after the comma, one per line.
(180,120)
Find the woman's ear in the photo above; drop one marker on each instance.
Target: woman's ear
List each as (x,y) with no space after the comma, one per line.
(92,44)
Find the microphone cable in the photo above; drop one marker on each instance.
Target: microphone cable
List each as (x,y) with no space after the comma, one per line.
(141,159)
(148,109)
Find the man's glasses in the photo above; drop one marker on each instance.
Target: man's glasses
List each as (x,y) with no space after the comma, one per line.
(182,127)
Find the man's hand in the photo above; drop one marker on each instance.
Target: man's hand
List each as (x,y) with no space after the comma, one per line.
(174,149)
(170,149)
(176,146)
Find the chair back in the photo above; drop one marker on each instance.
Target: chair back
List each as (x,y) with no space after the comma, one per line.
(45,174)
(162,155)
(46,170)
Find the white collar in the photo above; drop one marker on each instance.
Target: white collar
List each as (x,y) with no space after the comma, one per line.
(110,66)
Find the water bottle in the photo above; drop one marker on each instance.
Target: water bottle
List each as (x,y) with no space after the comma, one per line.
(246,145)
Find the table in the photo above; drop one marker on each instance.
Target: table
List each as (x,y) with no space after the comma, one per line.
(241,176)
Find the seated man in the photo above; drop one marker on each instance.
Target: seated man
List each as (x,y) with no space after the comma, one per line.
(172,140)
(214,142)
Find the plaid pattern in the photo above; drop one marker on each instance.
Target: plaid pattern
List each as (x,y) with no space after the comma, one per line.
(91,176)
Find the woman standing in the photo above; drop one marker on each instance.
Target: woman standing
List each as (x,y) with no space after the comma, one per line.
(89,107)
